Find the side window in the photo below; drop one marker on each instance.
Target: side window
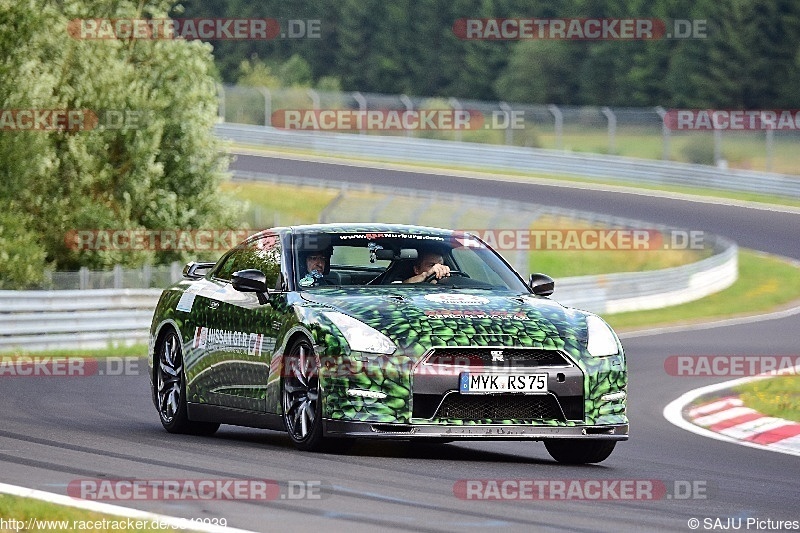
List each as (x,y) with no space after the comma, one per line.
(263,254)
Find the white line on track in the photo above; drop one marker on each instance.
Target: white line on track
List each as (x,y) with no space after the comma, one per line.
(116,510)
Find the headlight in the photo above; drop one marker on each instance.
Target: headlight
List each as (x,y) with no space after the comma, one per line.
(602,340)
(360,336)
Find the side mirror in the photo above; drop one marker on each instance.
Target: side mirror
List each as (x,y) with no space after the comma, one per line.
(541,284)
(192,270)
(250,280)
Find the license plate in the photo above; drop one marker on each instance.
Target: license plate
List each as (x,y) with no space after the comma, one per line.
(471,383)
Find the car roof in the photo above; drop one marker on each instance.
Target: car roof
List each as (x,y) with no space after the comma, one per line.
(356,227)
(362,227)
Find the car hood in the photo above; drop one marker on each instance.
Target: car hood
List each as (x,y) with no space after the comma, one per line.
(415,319)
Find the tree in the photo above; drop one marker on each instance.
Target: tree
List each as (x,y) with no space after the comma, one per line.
(150,161)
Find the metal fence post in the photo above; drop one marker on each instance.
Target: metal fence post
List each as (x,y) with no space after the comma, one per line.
(665,133)
(559,125)
(314,95)
(175,271)
(717,147)
(267,105)
(769,147)
(83,278)
(117,276)
(221,98)
(362,106)
(612,129)
(409,107)
(456,105)
(507,111)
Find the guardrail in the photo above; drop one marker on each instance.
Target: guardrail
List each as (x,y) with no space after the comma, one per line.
(46,320)
(42,320)
(639,291)
(486,156)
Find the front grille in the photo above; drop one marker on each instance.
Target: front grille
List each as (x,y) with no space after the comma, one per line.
(525,357)
(424,405)
(572,407)
(500,407)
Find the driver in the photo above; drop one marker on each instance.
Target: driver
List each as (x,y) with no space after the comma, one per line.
(429,264)
(317,265)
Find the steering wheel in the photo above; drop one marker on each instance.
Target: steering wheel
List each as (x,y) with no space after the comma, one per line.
(431,277)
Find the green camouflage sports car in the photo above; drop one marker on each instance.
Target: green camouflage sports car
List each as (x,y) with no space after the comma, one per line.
(352,331)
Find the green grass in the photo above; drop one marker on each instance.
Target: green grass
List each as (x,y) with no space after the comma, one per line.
(135,350)
(778,396)
(566,263)
(765,283)
(22,509)
(280,204)
(742,150)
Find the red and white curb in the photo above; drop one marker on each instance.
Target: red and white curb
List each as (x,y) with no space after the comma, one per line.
(172,522)
(728,416)
(727,419)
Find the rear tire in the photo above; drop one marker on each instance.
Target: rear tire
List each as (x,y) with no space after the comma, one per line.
(170,391)
(579,451)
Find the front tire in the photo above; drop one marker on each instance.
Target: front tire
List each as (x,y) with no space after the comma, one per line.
(302,405)
(579,451)
(171,390)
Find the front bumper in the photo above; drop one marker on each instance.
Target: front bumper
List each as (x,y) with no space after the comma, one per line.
(339,428)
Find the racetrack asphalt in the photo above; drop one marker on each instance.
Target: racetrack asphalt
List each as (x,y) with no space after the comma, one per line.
(60,429)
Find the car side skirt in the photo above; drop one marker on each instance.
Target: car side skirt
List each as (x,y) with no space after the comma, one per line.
(235,417)
(338,428)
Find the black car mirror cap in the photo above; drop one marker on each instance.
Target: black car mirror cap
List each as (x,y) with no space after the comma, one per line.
(541,284)
(249,280)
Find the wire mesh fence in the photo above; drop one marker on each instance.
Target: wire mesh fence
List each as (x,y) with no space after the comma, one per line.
(627,131)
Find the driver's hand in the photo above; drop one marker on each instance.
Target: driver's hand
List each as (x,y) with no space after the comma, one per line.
(439,270)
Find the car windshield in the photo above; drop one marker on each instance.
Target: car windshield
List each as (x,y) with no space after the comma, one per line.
(383,259)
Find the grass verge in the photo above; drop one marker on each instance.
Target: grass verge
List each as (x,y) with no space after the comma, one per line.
(134,350)
(44,516)
(277,204)
(566,262)
(765,283)
(778,396)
